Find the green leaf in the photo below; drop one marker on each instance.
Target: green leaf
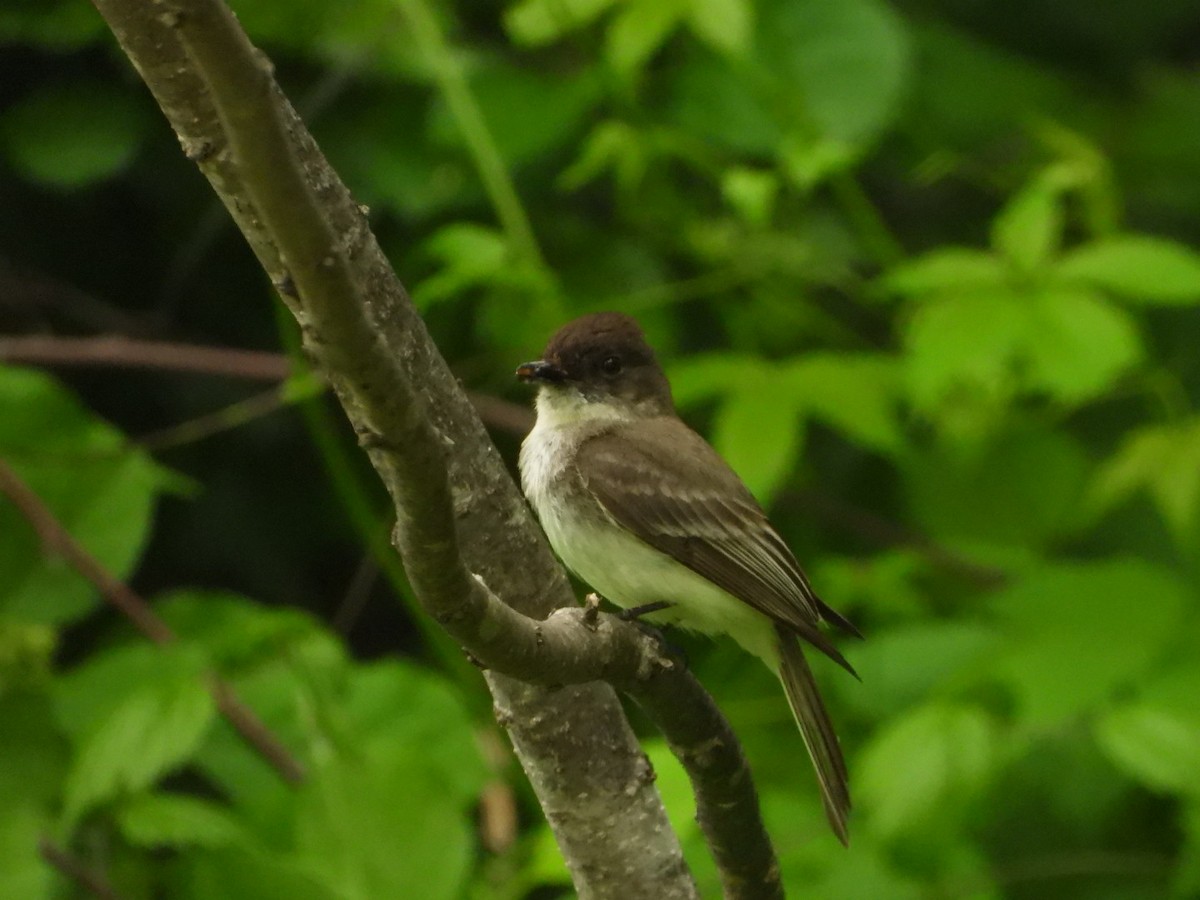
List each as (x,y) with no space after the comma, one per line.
(695,379)
(178,820)
(471,255)
(72,135)
(1076,619)
(1077,344)
(537,22)
(1159,747)
(529,114)
(807,161)
(713,99)
(751,192)
(962,343)
(1029,228)
(35,753)
(1144,269)
(245,873)
(907,664)
(1022,490)
(922,762)
(611,145)
(1070,345)
(841,64)
(854,393)
(354,813)
(1165,462)
(26,875)
(639,30)
(90,693)
(234,631)
(946,270)
(725,25)
(154,730)
(759,433)
(100,489)
(54,24)
(434,715)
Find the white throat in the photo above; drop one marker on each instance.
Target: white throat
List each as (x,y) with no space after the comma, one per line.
(560,406)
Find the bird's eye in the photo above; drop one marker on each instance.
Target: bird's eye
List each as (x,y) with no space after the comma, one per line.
(611,365)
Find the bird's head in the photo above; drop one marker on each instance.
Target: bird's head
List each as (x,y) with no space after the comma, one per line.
(599,366)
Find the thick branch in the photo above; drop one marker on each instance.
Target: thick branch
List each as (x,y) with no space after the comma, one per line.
(463,530)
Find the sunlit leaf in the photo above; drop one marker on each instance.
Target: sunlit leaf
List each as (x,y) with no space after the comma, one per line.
(751,192)
(921,762)
(355,813)
(844,62)
(855,393)
(177,820)
(947,270)
(637,32)
(1159,747)
(26,874)
(698,378)
(1077,343)
(99,488)
(536,22)
(1079,633)
(759,433)
(1140,268)
(725,25)
(965,342)
(152,731)
(1165,462)
(1029,228)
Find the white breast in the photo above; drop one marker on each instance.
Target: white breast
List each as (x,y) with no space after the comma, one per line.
(619,566)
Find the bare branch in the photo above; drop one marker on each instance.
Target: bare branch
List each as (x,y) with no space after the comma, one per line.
(132,353)
(57,540)
(77,870)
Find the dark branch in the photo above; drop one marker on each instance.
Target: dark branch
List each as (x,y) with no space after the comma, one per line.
(56,540)
(77,870)
(133,353)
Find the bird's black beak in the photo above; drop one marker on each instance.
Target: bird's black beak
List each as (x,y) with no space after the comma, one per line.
(540,370)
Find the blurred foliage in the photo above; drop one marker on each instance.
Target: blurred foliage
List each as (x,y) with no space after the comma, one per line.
(921,270)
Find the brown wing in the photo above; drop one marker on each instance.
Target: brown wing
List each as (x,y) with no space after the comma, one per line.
(663,482)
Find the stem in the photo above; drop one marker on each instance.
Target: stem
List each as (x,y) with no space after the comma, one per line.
(454,86)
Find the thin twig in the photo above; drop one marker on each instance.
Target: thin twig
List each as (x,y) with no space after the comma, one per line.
(57,540)
(131,353)
(77,870)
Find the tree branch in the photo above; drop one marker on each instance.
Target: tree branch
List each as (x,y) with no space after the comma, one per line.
(55,539)
(463,531)
(77,870)
(133,353)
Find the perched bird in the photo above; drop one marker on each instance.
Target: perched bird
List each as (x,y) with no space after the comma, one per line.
(641,508)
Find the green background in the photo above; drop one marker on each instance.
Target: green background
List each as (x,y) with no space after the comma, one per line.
(920,270)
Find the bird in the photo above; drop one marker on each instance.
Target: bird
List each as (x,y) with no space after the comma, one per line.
(641,508)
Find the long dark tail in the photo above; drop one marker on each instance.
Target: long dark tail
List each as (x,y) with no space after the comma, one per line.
(817,731)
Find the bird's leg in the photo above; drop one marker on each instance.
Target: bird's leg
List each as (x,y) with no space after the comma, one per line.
(636,612)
